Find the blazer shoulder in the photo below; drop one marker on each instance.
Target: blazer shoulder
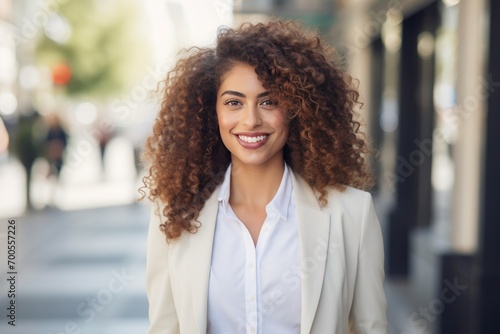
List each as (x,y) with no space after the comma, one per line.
(349,197)
(354,204)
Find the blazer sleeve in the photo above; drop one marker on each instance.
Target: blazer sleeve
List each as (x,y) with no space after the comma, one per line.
(369,309)
(162,313)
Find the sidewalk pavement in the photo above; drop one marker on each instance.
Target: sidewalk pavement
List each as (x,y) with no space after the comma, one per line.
(78,272)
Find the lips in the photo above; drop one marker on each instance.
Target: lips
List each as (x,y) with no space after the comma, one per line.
(252,141)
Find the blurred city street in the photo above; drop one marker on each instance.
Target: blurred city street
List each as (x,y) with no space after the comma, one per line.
(79,270)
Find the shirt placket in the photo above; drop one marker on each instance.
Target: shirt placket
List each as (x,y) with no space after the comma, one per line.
(260,250)
(250,283)
(253,256)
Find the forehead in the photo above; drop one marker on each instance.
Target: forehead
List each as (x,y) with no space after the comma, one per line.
(241,76)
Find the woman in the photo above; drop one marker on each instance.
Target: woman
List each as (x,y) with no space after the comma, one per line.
(258,226)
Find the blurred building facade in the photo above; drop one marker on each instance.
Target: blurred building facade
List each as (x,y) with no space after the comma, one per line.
(430,80)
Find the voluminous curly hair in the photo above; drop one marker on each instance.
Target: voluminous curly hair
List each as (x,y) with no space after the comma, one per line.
(325,146)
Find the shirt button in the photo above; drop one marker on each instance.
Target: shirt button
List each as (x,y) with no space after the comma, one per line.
(250,265)
(252,329)
(251,298)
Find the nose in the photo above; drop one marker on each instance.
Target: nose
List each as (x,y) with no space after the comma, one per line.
(251,117)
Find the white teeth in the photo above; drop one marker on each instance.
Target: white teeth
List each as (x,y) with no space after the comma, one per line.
(252,139)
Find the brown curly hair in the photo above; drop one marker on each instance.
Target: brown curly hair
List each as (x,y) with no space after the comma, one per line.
(325,146)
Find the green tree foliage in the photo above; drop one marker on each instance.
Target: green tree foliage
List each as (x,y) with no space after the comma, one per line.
(107,48)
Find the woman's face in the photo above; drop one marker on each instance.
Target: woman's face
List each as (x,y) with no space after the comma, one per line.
(253,128)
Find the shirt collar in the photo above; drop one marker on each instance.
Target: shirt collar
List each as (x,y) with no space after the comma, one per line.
(280,201)
(224,188)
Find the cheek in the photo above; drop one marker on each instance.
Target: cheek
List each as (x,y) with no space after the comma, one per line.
(220,117)
(224,123)
(226,120)
(280,122)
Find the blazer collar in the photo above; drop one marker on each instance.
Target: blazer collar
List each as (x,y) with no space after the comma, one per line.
(200,255)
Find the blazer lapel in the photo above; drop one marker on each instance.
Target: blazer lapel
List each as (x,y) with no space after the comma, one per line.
(314,231)
(200,253)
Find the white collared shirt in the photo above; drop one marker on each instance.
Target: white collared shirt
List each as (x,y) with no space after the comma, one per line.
(256,289)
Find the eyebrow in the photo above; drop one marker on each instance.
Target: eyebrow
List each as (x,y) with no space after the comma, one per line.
(232,92)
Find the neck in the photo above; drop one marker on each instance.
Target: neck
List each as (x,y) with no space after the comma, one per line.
(255,185)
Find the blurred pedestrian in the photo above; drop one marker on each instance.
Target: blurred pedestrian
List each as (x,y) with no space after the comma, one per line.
(104,133)
(258,226)
(27,144)
(4,137)
(55,144)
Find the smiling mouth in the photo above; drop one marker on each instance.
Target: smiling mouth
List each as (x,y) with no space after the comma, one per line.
(254,139)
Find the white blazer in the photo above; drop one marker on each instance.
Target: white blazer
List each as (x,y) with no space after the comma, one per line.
(341,256)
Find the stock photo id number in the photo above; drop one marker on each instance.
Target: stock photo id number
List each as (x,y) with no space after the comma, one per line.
(11,273)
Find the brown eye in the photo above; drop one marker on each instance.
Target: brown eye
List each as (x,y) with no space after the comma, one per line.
(232,103)
(268,102)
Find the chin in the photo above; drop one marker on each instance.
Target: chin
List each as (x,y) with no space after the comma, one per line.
(254,161)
